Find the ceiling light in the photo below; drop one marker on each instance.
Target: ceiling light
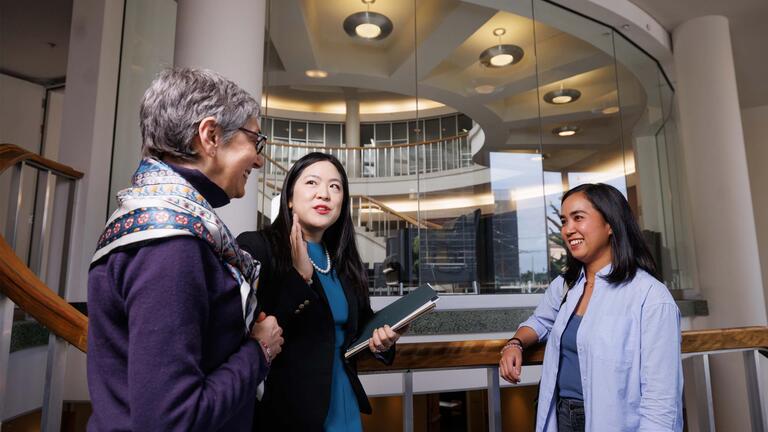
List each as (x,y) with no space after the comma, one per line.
(566,131)
(610,110)
(562,96)
(316,73)
(502,54)
(368,25)
(485,89)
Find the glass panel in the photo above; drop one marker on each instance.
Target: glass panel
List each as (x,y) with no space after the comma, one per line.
(332,134)
(316,133)
(465,123)
(148,43)
(383,133)
(366,134)
(298,132)
(281,130)
(481,167)
(399,133)
(448,126)
(580,129)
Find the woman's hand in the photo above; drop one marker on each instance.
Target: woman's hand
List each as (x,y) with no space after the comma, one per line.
(299,253)
(269,334)
(383,338)
(510,365)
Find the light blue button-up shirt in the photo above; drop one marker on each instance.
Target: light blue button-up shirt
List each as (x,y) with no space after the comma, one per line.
(629,354)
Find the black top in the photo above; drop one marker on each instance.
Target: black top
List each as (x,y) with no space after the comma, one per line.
(298,388)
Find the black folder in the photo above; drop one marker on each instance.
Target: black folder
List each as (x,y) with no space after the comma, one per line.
(397,315)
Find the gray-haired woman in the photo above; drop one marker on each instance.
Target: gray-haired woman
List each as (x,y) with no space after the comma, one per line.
(172,343)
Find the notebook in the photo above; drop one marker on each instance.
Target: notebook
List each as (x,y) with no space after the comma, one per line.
(397,315)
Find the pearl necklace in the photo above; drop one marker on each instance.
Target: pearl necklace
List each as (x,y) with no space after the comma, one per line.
(327,260)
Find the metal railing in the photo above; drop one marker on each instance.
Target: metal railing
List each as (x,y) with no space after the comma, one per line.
(382,161)
(697,347)
(54,188)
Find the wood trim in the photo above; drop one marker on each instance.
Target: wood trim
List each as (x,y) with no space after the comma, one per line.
(725,339)
(485,353)
(11,154)
(325,149)
(32,295)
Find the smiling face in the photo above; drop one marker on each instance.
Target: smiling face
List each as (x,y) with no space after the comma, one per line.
(317,198)
(585,231)
(234,161)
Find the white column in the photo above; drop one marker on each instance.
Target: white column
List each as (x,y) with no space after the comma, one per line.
(352,133)
(88,124)
(226,36)
(352,123)
(721,204)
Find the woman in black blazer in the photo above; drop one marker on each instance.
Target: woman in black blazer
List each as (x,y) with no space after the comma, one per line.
(313,281)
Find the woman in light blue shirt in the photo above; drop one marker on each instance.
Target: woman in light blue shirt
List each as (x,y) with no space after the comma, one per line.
(612,359)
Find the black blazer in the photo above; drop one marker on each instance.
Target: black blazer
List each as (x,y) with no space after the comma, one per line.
(298,387)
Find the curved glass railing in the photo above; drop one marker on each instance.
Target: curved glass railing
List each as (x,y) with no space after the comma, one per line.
(396,160)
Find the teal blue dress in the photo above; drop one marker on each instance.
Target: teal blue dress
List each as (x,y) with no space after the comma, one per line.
(343,411)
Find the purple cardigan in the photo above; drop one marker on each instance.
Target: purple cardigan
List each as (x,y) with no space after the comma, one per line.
(166,346)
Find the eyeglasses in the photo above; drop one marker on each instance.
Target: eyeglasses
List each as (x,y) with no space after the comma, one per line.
(259,138)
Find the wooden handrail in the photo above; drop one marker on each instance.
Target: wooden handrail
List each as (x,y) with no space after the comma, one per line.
(409,219)
(21,285)
(32,295)
(324,148)
(485,353)
(11,154)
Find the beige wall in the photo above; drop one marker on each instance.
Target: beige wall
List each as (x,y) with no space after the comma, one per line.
(755,121)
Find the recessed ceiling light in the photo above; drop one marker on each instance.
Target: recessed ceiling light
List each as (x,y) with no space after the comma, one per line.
(368,25)
(502,54)
(610,110)
(562,96)
(316,73)
(566,131)
(485,89)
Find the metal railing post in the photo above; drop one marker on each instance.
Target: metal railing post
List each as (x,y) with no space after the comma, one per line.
(408,401)
(494,400)
(53,394)
(41,233)
(14,205)
(6,327)
(6,305)
(699,392)
(755,390)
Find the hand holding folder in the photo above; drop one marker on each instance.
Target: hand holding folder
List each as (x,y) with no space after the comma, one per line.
(397,315)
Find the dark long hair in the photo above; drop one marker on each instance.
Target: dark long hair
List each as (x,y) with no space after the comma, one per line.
(339,238)
(627,245)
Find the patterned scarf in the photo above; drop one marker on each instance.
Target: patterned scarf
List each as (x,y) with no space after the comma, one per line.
(160,204)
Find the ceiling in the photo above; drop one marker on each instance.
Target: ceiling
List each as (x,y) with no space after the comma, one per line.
(749,35)
(34,39)
(307,34)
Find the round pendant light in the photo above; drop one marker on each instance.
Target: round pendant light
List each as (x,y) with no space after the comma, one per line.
(562,96)
(502,54)
(368,25)
(566,131)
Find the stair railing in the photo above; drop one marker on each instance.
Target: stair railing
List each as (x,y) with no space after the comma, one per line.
(22,285)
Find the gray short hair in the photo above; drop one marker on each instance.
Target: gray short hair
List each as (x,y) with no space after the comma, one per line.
(178,99)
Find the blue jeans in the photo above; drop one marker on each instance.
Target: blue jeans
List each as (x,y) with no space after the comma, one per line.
(570,415)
